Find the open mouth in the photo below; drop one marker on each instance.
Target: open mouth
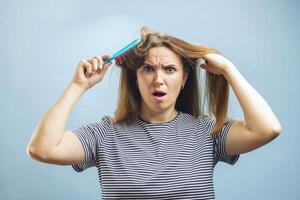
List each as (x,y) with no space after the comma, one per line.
(159,94)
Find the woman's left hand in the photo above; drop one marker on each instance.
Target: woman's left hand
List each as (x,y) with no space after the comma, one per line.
(215,63)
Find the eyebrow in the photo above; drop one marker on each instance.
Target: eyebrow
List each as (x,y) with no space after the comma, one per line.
(170,65)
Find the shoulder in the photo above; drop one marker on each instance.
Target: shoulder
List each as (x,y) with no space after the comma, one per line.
(107,119)
(206,119)
(202,121)
(119,125)
(99,126)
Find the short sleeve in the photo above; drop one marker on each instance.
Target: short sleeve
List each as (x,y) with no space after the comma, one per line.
(91,137)
(219,145)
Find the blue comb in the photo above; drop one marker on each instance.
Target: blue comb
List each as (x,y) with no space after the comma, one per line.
(120,56)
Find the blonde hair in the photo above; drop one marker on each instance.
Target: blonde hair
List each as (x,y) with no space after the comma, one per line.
(216,86)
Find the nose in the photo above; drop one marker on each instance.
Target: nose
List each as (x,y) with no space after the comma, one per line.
(158,78)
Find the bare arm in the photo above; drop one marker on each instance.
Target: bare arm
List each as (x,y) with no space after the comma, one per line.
(260,125)
(51,128)
(50,143)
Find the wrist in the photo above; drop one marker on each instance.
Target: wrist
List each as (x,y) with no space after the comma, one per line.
(77,88)
(228,70)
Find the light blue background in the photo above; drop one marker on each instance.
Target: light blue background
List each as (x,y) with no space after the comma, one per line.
(42,42)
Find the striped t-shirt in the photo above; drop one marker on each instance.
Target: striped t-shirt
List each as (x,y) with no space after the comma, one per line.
(140,160)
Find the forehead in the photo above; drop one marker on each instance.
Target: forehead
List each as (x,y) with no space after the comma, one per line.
(162,55)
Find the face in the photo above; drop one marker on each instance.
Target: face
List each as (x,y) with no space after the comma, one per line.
(160,79)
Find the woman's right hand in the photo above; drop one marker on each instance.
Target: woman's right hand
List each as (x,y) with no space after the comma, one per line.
(90,72)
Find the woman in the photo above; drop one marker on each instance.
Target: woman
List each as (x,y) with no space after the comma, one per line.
(160,144)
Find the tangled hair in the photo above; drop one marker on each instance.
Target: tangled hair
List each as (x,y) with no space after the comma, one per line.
(189,101)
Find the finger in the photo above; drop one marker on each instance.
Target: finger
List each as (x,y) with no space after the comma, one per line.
(95,65)
(88,67)
(204,66)
(105,67)
(81,68)
(201,61)
(99,61)
(98,58)
(82,65)
(105,57)
(205,57)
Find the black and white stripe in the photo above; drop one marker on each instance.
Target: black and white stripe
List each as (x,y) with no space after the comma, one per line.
(139,160)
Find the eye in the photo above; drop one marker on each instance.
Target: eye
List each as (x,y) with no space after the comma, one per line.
(147,68)
(170,69)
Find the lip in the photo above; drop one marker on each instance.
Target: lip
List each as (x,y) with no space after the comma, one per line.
(158,91)
(159,99)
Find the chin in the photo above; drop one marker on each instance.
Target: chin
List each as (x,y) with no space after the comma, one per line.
(160,107)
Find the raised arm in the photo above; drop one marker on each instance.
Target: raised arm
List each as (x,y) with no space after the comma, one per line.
(50,142)
(260,125)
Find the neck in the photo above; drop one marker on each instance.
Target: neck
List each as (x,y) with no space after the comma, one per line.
(154,117)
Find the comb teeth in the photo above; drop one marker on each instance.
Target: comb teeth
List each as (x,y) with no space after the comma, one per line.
(120,59)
